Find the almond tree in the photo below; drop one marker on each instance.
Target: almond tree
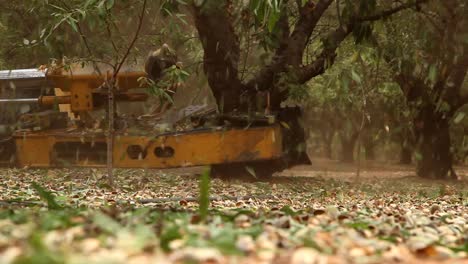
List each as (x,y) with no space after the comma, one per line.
(429,56)
(292,26)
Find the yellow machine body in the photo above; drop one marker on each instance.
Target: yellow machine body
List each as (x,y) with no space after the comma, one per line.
(192,148)
(75,147)
(80,88)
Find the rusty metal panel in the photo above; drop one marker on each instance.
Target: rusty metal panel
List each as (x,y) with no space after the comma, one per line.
(81,87)
(38,149)
(33,151)
(81,97)
(125,80)
(200,148)
(193,148)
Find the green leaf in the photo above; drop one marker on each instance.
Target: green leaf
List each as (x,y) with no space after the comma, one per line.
(356,56)
(344,82)
(433,73)
(285,125)
(459,117)
(251,171)
(288,211)
(355,76)
(169,234)
(199,3)
(73,25)
(90,3)
(359,225)
(109,4)
(106,223)
(418,156)
(461,248)
(204,198)
(46,196)
(39,252)
(225,240)
(82,13)
(273,20)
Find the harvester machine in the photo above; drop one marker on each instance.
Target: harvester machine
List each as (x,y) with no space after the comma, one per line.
(57,128)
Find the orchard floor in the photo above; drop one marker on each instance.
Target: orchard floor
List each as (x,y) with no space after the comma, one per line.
(311,214)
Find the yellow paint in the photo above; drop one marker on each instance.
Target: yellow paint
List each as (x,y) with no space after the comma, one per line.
(65,108)
(190,148)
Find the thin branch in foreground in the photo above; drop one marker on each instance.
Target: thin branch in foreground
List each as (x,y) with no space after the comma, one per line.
(85,41)
(111,107)
(135,38)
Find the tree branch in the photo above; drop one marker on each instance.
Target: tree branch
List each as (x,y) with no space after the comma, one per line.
(300,36)
(109,34)
(326,58)
(310,14)
(332,42)
(387,13)
(457,78)
(291,53)
(110,97)
(135,38)
(84,38)
(268,72)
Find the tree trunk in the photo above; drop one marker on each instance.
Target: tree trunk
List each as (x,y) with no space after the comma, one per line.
(328,149)
(369,148)
(405,155)
(347,148)
(221,52)
(407,145)
(294,137)
(327,139)
(435,157)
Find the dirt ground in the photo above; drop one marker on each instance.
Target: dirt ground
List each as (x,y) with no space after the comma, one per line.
(333,169)
(372,169)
